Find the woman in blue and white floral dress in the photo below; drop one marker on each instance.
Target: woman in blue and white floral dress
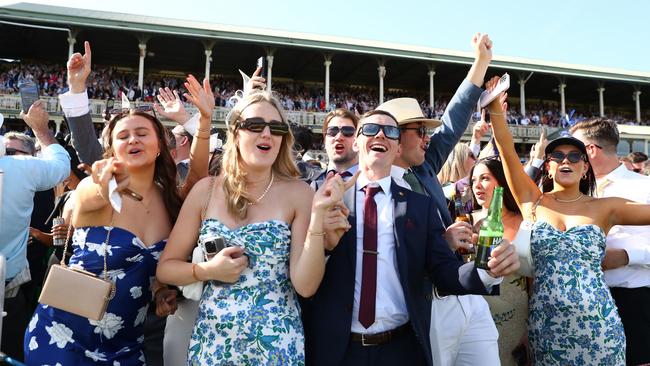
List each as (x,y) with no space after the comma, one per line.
(572,317)
(272,224)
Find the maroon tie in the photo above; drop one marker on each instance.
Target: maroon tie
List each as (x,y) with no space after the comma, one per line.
(369,263)
(344,174)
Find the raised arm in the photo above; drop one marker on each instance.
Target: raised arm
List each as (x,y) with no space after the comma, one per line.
(522,186)
(75,107)
(462,104)
(203,98)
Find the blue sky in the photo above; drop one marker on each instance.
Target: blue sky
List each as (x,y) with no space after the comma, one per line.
(598,32)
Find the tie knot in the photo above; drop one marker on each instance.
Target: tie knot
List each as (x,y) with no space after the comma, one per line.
(344,174)
(371,190)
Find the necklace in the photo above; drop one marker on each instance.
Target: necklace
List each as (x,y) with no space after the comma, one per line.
(568,201)
(263,193)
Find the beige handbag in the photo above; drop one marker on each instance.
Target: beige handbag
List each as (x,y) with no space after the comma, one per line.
(78,291)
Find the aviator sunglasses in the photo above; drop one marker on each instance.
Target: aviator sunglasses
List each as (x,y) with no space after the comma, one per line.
(573,156)
(372,129)
(347,131)
(421,131)
(257,125)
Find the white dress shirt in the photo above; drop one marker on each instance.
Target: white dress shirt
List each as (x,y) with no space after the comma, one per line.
(390,305)
(624,183)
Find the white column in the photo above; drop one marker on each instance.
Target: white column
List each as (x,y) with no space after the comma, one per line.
(327,64)
(143,53)
(71,41)
(522,97)
(601,101)
(562,101)
(269,72)
(382,74)
(637,99)
(208,58)
(431,99)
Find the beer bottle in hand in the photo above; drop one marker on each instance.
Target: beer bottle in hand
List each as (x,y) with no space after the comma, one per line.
(491,231)
(462,216)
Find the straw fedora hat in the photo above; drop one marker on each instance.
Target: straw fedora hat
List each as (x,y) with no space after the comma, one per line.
(407,110)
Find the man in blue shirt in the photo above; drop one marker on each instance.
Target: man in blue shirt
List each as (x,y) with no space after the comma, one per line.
(23,176)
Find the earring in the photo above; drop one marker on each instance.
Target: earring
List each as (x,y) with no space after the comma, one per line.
(584,176)
(157,155)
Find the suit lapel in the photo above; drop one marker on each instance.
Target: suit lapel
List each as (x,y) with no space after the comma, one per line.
(399,217)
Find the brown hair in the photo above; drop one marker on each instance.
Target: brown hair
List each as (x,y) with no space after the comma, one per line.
(601,131)
(234,182)
(165,168)
(342,113)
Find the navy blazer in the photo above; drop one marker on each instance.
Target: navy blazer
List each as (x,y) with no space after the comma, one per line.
(422,255)
(454,123)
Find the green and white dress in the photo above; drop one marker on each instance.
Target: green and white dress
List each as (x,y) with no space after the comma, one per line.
(255,321)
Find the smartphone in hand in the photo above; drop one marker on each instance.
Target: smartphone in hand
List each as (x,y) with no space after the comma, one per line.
(261,62)
(28,94)
(488,96)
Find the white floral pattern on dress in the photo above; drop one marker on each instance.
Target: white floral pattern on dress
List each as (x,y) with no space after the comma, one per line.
(255,321)
(59,334)
(142,314)
(32,323)
(572,317)
(136,292)
(33,344)
(109,325)
(95,355)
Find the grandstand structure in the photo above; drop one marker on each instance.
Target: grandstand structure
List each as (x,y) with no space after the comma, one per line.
(144,45)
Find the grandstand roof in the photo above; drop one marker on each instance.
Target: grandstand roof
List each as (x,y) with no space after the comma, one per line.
(67,17)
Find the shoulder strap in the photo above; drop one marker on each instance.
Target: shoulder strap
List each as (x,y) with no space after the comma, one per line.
(533,214)
(207,202)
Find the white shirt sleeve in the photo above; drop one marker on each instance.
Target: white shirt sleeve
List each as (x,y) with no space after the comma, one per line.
(537,163)
(488,280)
(49,170)
(639,257)
(476,149)
(74,105)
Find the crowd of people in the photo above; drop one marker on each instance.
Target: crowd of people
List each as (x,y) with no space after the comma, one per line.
(243,254)
(110,83)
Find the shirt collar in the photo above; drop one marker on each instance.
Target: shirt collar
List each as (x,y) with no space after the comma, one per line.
(619,172)
(384,183)
(397,171)
(353,169)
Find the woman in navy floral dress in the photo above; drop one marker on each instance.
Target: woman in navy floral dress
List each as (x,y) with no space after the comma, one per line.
(272,224)
(572,316)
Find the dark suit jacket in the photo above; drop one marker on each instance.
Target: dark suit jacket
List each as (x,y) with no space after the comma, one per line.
(454,123)
(422,254)
(84,139)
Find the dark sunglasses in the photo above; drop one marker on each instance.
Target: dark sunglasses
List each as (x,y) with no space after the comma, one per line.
(347,131)
(421,131)
(573,156)
(11,151)
(372,129)
(257,125)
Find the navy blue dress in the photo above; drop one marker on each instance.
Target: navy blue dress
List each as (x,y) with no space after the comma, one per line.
(57,337)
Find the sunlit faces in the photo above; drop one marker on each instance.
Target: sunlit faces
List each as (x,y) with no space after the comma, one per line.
(377,151)
(483,183)
(565,172)
(135,141)
(339,147)
(414,143)
(259,149)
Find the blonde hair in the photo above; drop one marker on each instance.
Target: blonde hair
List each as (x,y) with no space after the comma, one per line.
(234,183)
(454,168)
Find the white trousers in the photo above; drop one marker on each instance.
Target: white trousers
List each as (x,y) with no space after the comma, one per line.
(178,332)
(463,332)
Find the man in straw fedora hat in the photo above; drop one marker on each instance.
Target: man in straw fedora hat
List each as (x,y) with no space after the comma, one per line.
(462,330)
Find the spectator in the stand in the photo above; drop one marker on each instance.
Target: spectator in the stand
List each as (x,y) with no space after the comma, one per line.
(183,142)
(637,159)
(339,127)
(23,176)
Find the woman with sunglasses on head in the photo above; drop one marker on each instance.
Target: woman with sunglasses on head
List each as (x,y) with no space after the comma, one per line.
(117,243)
(253,221)
(509,309)
(572,317)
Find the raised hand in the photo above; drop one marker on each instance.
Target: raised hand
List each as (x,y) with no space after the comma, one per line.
(170,106)
(331,192)
(498,106)
(480,129)
(482,45)
(104,170)
(37,118)
(256,82)
(201,96)
(79,67)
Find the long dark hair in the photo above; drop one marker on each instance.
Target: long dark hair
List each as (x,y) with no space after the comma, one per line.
(587,183)
(165,169)
(495,167)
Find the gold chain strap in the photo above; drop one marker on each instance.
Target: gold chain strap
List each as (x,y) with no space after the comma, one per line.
(108,236)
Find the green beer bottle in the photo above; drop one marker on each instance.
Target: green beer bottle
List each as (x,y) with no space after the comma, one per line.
(491,231)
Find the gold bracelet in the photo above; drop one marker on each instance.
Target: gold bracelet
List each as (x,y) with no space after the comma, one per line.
(314,233)
(203,130)
(196,278)
(202,137)
(497,114)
